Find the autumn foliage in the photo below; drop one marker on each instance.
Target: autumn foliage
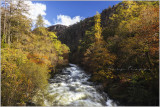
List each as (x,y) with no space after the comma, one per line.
(28,57)
(124,55)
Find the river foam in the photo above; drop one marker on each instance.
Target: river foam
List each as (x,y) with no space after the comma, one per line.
(72,88)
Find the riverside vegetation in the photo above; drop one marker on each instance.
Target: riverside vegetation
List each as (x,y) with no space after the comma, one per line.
(28,57)
(118,47)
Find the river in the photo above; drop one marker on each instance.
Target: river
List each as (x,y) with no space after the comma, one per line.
(72,88)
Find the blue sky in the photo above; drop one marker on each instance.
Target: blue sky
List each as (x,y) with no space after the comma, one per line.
(69,12)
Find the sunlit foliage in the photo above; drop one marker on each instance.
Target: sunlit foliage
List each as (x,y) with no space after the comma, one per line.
(27,56)
(120,50)
(129,55)
(39,21)
(97,58)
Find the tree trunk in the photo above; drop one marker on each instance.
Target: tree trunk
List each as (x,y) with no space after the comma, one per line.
(149,60)
(4,24)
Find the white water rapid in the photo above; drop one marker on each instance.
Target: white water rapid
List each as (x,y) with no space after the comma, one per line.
(72,88)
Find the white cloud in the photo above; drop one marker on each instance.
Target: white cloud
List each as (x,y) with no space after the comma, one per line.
(47,22)
(67,20)
(35,9)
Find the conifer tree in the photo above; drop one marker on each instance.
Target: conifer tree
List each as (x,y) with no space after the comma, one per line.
(98,29)
(40,21)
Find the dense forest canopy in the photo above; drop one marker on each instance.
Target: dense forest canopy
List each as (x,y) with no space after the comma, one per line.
(27,56)
(118,47)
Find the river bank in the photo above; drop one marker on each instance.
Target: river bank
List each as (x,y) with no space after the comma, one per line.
(131,90)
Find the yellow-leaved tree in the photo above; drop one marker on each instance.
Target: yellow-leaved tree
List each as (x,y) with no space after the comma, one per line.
(98,28)
(97,58)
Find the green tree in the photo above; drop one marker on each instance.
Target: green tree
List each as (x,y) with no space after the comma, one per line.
(14,23)
(39,21)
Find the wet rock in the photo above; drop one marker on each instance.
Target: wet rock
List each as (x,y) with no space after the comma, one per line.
(30,103)
(72,88)
(76,77)
(99,87)
(66,73)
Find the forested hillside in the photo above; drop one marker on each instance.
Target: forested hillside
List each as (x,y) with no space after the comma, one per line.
(27,56)
(120,48)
